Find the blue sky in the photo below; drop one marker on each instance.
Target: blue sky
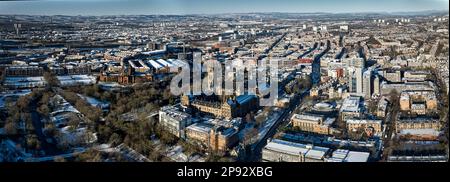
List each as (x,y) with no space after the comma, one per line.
(146,7)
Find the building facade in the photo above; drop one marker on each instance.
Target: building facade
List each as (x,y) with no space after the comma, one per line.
(311,123)
(174,121)
(418,102)
(284,151)
(370,126)
(216,138)
(229,108)
(417,123)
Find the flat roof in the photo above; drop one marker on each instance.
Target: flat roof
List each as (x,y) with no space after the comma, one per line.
(427,131)
(286,147)
(350,104)
(200,127)
(353,156)
(292,148)
(155,64)
(363,121)
(308,117)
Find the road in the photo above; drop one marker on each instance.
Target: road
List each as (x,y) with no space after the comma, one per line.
(390,129)
(283,119)
(275,43)
(49,148)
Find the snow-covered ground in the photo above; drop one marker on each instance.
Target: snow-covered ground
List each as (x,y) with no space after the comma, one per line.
(94,102)
(61,105)
(176,153)
(9,152)
(73,80)
(75,152)
(5,95)
(77,136)
(24,82)
(110,86)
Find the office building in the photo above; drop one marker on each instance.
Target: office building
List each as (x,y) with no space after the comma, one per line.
(376,85)
(367,84)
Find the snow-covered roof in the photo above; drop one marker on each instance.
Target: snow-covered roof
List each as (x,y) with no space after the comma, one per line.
(353,156)
(200,127)
(155,64)
(292,148)
(72,80)
(427,131)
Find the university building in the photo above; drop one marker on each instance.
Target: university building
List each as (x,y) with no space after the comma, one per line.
(228,108)
(417,123)
(371,127)
(284,151)
(24,71)
(174,121)
(214,137)
(418,102)
(125,76)
(312,123)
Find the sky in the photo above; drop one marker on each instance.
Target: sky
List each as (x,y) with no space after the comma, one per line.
(153,7)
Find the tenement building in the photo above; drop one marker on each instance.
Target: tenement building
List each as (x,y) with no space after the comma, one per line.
(417,123)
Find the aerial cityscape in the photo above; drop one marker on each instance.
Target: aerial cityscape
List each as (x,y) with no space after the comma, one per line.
(211,85)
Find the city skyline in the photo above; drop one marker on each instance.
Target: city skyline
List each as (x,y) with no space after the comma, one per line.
(183,7)
(264,85)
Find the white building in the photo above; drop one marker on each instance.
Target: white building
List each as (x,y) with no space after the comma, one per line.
(174,120)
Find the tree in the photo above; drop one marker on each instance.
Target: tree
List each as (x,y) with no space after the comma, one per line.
(393,95)
(51,80)
(10,128)
(32,142)
(63,144)
(104,133)
(73,120)
(217,157)
(166,137)
(155,155)
(50,130)
(23,103)
(249,136)
(90,155)
(188,148)
(59,159)
(260,119)
(372,106)
(394,98)
(92,113)
(305,82)
(43,110)
(115,139)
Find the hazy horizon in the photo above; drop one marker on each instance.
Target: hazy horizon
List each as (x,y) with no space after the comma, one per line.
(183,7)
